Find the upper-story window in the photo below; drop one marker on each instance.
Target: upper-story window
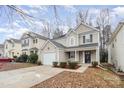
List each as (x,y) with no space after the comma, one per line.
(24,41)
(91,38)
(84,39)
(88,38)
(72,41)
(13,45)
(113,45)
(35,41)
(6,46)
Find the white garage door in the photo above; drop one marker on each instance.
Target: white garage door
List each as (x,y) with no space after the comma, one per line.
(48,58)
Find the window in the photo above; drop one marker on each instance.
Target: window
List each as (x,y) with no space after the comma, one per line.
(13,45)
(6,46)
(91,38)
(72,41)
(24,41)
(112,45)
(36,41)
(83,39)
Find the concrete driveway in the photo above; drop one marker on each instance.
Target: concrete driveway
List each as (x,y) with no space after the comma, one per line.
(27,77)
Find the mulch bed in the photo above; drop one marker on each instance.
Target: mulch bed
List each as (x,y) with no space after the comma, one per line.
(11,66)
(91,78)
(112,68)
(67,67)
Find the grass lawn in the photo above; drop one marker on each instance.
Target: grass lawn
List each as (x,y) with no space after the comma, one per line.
(91,78)
(11,66)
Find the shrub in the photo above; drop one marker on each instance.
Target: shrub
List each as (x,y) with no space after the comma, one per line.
(39,63)
(55,64)
(22,58)
(33,58)
(63,64)
(73,65)
(103,56)
(14,56)
(94,64)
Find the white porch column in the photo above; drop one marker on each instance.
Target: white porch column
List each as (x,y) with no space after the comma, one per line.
(75,55)
(97,55)
(58,55)
(83,57)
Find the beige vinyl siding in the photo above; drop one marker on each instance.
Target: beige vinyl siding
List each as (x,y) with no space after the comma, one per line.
(82,29)
(93,56)
(61,41)
(39,43)
(49,48)
(116,52)
(62,56)
(94,38)
(68,40)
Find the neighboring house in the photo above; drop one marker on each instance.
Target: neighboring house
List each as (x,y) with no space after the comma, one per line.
(81,44)
(116,47)
(1,50)
(31,43)
(12,47)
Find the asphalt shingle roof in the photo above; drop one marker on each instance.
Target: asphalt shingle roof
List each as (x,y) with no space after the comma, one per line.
(57,44)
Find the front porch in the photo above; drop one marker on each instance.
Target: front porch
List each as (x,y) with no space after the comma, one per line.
(82,56)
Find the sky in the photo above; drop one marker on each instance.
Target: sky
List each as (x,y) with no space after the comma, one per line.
(14,26)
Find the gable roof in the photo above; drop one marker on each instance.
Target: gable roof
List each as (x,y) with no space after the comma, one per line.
(56,44)
(117,29)
(16,40)
(73,30)
(36,35)
(82,23)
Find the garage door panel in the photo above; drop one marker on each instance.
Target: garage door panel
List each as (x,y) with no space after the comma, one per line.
(48,58)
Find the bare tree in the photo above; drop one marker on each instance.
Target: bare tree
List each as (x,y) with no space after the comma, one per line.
(82,16)
(103,22)
(58,22)
(47,29)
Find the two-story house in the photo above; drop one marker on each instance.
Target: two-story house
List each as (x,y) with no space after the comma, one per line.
(80,44)
(116,47)
(31,43)
(12,47)
(1,50)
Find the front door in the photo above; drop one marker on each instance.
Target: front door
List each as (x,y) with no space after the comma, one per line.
(87,56)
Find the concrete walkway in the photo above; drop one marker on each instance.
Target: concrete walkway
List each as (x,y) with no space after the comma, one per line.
(27,77)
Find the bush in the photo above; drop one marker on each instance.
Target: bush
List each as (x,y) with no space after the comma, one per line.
(63,64)
(73,65)
(14,56)
(22,58)
(55,64)
(33,58)
(103,56)
(94,64)
(39,63)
